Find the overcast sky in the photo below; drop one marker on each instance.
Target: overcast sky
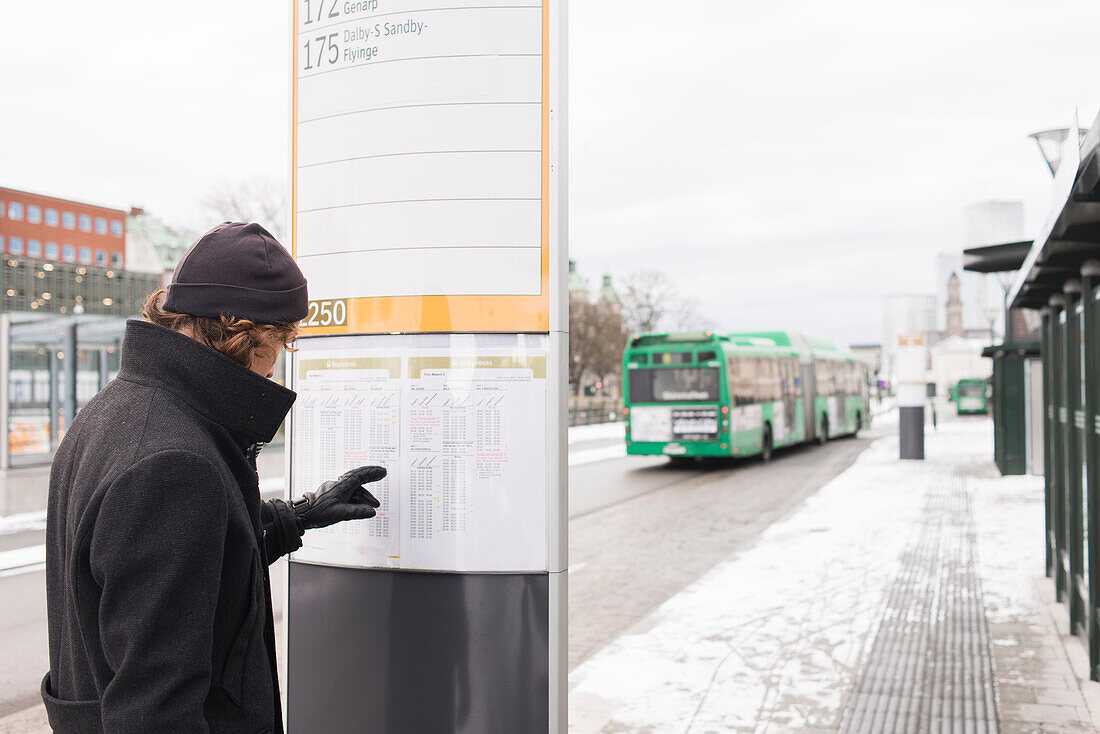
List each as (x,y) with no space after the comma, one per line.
(788,163)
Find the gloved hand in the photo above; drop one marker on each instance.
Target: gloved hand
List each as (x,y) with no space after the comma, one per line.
(344,499)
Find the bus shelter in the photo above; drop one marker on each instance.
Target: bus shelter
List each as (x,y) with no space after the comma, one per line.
(1017,400)
(1017,407)
(1060,278)
(51,365)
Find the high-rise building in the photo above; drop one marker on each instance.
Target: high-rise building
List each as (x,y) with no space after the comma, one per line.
(990,223)
(994,223)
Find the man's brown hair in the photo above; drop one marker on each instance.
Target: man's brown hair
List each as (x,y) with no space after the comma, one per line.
(235,338)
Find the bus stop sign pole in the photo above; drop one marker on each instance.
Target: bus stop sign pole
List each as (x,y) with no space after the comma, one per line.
(912,394)
(428,213)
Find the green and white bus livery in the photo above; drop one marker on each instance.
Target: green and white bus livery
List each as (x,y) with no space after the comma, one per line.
(702,394)
(971,396)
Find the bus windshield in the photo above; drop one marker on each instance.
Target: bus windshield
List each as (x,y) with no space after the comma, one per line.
(674,385)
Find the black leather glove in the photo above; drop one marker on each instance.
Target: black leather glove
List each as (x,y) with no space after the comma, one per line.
(344,499)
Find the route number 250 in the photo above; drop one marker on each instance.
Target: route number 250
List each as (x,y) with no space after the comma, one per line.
(327,313)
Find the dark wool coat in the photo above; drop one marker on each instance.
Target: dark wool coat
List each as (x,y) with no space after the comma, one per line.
(157,547)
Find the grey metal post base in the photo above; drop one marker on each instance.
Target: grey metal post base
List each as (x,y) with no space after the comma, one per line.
(400,651)
(911,431)
(68,374)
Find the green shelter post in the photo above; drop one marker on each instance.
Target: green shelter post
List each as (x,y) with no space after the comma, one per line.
(1090,280)
(1074,493)
(1058,464)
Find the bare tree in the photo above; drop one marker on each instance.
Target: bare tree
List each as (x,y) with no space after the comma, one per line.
(684,316)
(651,302)
(646,296)
(596,340)
(261,200)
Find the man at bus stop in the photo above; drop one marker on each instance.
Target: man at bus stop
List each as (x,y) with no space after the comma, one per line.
(158,544)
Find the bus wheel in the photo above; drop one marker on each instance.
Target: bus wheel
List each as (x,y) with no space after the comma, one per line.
(823,434)
(766,444)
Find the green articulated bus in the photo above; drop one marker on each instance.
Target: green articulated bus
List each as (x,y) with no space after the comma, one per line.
(702,394)
(971,396)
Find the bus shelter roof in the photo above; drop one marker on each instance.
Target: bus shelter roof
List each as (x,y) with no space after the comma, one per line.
(1071,233)
(996,258)
(1023,348)
(35,329)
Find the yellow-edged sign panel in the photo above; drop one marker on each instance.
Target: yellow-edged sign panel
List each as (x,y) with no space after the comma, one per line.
(420,164)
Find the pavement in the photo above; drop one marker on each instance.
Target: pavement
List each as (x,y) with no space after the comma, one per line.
(834,589)
(900,597)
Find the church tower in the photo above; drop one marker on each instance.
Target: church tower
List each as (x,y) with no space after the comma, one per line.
(954,307)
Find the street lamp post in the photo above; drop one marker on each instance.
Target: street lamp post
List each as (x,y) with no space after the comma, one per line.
(990,313)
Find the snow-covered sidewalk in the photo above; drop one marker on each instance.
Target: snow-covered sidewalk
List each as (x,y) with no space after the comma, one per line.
(897,581)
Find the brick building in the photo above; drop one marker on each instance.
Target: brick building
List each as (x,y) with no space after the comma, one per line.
(70,276)
(58,230)
(66,257)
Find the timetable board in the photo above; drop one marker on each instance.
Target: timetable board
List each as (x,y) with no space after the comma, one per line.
(421,164)
(458,420)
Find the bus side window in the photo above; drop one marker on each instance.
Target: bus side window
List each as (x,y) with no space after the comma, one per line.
(760,381)
(790,390)
(755,379)
(775,380)
(748,380)
(766,379)
(735,368)
(824,378)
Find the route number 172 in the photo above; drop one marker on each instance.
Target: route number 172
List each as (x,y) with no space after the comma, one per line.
(327,313)
(332,11)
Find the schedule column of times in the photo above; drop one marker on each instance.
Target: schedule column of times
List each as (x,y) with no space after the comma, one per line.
(418,147)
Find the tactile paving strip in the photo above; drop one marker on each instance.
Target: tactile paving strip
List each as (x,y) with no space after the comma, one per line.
(930,666)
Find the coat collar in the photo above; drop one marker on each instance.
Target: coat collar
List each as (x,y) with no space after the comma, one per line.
(247,404)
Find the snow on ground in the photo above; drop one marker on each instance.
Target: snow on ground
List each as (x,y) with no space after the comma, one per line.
(772,639)
(1009,527)
(596,432)
(22,522)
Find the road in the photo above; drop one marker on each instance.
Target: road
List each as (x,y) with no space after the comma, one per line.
(640,530)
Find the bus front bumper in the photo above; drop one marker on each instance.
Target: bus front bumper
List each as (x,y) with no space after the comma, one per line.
(678,449)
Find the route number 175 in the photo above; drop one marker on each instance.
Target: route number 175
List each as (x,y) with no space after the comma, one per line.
(327,313)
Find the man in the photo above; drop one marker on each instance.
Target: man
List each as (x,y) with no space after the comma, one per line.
(157,542)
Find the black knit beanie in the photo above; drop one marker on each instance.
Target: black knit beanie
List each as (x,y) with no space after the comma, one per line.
(238,269)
